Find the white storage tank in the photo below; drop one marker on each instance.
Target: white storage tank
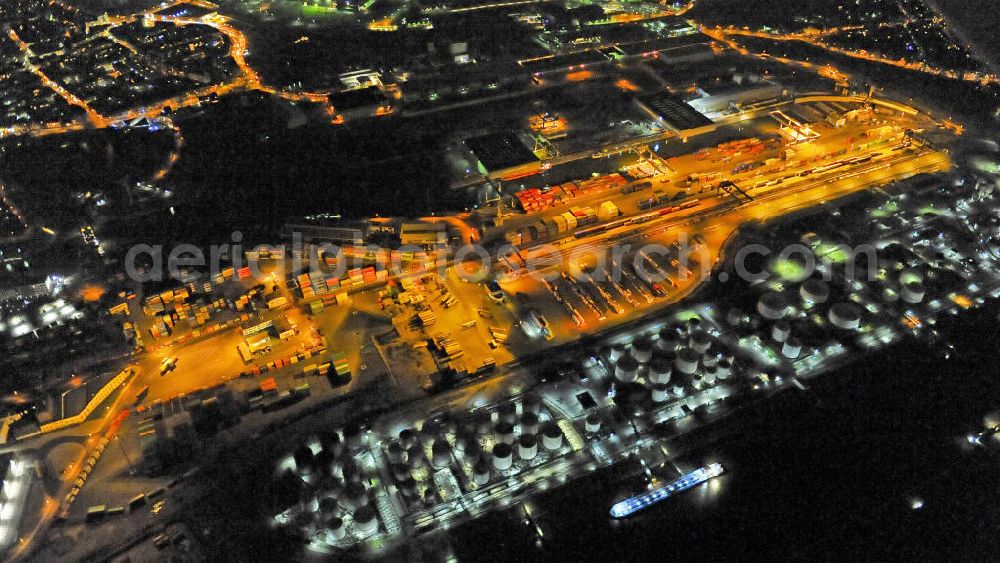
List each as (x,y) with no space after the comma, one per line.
(502,456)
(725,368)
(693,324)
(697,383)
(531,403)
(407,438)
(593,423)
(483,422)
(660,393)
(846,316)
(395,452)
(508,412)
(529,423)
(781,331)
(527,446)
(913,292)
(335,530)
(642,351)
(617,352)
(709,376)
(791,348)
(481,472)
(659,370)
(668,339)
(440,453)
(772,306)
(687,361)
(365,522)
(627,369)
(505,433)
(814,291)
(551,436)
(678,390)
(700,341)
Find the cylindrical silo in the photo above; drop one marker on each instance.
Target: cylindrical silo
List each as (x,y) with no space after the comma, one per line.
(440,453)
(335,529)
(913,292)
(668,339)
(772,306)
(353,436)
(660,393)
(700,341)
(531,403)
(781,330)
(791,348)
(304,460)
(593,422)
(626,369)
(642,351)
(503,456)
(725,368)
(481,473)
(659,370)
(846,316)
(694,324)
(401,471)
(527,446)
(429,430)
(616,353)
(687,361)
(529,423)
(551,436)
(365,522)
(355,495)
(415,457)
(395,452)
(407,438)
(484,423)
(505,433)
(814,291)
(508,412)
(349,470)
(331,442)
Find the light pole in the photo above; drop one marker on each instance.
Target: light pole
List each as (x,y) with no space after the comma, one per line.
(131,469)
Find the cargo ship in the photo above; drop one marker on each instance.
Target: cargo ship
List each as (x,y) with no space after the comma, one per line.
(631,505)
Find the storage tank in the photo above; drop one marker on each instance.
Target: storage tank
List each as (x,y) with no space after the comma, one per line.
(527,446)
(395,452)
(593,423)
(355,495)
(401,471)
(781,331)
(407,438)
(693,324)
(440,453)
(551,436)
(508,412)
(529,423)
(700,341)
(324,462)
(531,403)
(659,370)
(447,423)
(669,339)
(328,508)
(678,390)
(349,470)
(660,393)
(791,348)
(331,442)
(617,352)
(814,291)
(502,456)
(430,497)
(710,359)
(697,383)
(429,431)
(913,292)
(772,306)
(464,441)
(642,351)
(409,487)
(304,459)
(415,457)
(365,522)
(505,433)
(353,436)
(687,361)
(846,316)
(305,524)
(627,369)
(708,376)
(484,424)
(725,368)
(481,473)
(335,529)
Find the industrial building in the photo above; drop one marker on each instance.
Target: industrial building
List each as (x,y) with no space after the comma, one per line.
(502,155)
(675,114)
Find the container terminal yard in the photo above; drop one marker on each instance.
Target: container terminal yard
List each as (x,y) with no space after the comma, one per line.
(621,279)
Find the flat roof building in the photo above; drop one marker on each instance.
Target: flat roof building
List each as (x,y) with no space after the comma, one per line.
(503,155)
